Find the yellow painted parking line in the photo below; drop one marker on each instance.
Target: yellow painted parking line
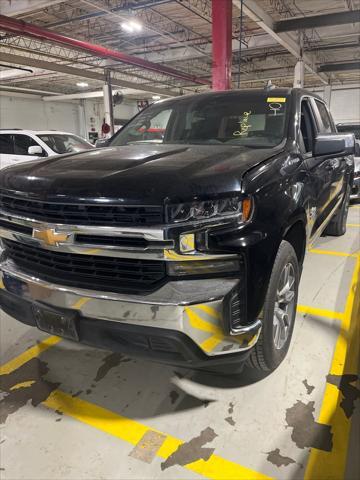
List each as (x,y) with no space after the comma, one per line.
(132,431)
(332,252)
(32,352)
(320,312)
(353,225)
(323,465)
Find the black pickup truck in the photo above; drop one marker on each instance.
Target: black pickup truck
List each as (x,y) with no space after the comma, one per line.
(183,240)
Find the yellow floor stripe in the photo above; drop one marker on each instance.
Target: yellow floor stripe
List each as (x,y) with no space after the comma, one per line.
(131,431)
(80,303)
(353,225)
(331,465)
(332,252)
(32,352)
(320,312)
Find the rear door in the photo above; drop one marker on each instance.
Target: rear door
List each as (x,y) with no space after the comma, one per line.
(336,166)
(319,181)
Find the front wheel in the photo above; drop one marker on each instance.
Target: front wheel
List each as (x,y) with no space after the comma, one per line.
(279,311)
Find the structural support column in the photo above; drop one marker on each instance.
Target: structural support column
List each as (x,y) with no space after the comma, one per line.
(221,44)
(108,102)
(299,71)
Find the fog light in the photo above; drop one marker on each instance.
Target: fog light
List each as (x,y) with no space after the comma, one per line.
(187,243)
(202,267)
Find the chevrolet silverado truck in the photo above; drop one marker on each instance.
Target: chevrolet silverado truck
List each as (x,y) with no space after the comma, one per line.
(185,248)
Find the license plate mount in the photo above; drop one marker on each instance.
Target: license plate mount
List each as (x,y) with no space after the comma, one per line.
(62,323)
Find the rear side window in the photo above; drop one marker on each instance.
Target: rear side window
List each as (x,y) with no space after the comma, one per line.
(22,143)
(6,143)
(327,126)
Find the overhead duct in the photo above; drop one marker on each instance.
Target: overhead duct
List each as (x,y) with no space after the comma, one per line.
(20,27)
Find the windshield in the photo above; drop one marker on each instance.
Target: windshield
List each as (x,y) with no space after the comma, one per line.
(64,143)
(235,119)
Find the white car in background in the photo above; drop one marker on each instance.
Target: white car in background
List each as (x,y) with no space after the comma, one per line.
(17,145)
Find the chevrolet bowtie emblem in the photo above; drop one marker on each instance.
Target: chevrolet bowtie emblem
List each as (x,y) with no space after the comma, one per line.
(50,236)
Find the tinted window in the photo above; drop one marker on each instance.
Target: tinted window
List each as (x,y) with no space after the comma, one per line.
(253,121)
(325,118)
(6,143)
(22,143)
(62,143)
(307,129)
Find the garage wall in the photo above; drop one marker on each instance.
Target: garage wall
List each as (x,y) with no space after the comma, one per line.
(31,112)
(344,103)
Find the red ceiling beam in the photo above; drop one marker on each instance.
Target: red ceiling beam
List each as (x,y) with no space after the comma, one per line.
(221,44)
(20,27)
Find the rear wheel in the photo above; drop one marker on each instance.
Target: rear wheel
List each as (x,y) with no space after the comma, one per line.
(337,225)
(279,311)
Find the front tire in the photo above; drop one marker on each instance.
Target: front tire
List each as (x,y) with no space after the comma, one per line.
(337,225)
(279,311)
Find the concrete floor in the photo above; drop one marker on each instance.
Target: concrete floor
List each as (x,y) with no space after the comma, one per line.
(72,412)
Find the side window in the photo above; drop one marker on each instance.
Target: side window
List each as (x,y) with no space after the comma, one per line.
(6,143)
(22,143)
(307,128)
(327,125)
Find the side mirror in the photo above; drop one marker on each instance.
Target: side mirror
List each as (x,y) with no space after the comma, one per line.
(102,142)
(334,144)
(357,148)
(36,150)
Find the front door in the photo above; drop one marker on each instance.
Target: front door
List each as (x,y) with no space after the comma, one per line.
(319,176)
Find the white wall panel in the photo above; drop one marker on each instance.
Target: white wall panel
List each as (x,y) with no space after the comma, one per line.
(34,114)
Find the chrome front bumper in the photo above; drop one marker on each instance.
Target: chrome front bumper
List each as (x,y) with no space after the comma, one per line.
(195,308)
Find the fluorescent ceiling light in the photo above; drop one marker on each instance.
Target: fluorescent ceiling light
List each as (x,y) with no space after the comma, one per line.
(82,84)
(131,26)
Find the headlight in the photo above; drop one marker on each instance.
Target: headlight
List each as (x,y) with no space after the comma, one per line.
(187,212)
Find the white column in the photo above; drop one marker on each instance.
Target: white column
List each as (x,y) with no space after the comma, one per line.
(327,94)
(108,105)
(299,74)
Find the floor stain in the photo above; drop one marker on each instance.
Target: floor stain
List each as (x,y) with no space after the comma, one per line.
(306,432)
(350,392)
(88,391)
(174,395)
(110,361)
(74,395)
(277,459)
(230,421)
(154,309)
(309,388)
(37,389)
(192,450)
(147,447)
(231,408)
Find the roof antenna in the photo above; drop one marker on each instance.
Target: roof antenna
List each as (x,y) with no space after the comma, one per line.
(269,86)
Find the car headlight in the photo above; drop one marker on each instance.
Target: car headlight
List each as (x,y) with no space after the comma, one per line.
(208,209)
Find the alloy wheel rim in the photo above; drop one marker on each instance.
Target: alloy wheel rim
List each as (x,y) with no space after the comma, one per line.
(284,306)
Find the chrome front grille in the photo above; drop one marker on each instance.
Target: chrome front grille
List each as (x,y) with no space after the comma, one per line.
(93,272)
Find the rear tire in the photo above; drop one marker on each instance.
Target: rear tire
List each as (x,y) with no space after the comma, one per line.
(279,311)
(337,225)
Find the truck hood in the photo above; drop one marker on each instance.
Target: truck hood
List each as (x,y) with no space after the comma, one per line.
(136,174)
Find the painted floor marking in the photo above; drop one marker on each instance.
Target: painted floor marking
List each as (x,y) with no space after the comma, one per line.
(132,432)
(323,465)
(332,252)
(32,352)
(353,225)
(320,312)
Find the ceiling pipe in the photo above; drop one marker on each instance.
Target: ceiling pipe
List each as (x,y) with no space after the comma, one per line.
(20,27)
